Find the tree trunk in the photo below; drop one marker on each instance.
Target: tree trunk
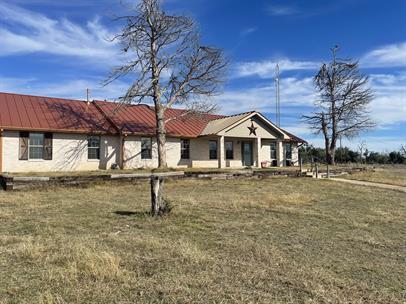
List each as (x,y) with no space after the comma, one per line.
(330,156)
(332,149)
(161,137)
(157,200)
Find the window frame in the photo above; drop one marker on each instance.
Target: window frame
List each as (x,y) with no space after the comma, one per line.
(210,150)
(185,149)
(228,157)
(149,155)
(93,148)
(36,146)
(288,151)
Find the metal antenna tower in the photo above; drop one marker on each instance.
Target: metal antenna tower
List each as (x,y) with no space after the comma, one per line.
(278,96)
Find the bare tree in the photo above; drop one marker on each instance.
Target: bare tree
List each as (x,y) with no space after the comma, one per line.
(342,107)
(171,66)
(403,150)
(362,146)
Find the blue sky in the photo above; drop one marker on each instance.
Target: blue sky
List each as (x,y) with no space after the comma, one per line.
(60,48)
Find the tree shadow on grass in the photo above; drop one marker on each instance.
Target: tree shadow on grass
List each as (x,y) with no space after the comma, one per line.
(133,213)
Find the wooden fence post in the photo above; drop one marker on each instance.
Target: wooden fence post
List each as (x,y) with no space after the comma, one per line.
(300,164)
(157,184)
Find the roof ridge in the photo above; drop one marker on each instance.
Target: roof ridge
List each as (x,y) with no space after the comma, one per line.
(41,96)
(234,115)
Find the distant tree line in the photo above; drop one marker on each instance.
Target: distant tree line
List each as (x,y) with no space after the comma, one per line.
(346,155)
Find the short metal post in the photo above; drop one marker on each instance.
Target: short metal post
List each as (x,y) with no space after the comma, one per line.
(301,164)
(317,171)
(328,171)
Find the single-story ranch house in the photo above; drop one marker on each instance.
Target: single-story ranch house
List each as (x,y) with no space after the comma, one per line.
(54,134)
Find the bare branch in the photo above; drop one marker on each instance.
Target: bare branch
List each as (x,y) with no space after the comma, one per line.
(342,108)
(170,66)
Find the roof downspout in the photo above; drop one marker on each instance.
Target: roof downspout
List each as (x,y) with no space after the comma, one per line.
(1,151)
(122,150)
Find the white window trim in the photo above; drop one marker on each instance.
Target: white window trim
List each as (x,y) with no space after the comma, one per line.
(94,160)
(35,146)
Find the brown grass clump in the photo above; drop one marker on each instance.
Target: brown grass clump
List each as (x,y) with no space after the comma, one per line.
(237,241)
(392,175)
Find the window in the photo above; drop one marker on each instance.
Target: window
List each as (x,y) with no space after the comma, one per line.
(288,151)
(93,147)
(146,148)
(185,148)
(229,150)
(36,146)
(213,149)
(273,150)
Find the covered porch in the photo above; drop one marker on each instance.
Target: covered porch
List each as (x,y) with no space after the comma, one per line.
(247,140)
(239,152)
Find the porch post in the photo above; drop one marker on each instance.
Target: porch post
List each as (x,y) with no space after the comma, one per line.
(258,152)
(279,152)
(122,152)
(221,153)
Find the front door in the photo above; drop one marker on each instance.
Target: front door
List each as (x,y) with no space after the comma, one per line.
(247,159)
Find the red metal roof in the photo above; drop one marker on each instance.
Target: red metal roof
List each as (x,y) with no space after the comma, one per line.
(140,119)
(25,112)
(38,113)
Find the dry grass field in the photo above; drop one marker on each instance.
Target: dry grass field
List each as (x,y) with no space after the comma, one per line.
(394,175)
(239,241)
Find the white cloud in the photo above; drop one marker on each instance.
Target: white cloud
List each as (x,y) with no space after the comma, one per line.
(266,68)
(75,89)
(25,32)
(294,92)
(389,104)
(280,10)
(249,30)
(388,107)
(393,55)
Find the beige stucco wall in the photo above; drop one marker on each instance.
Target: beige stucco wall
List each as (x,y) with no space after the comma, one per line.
(242,130)
(69,154)
(199,153)
(132,154)
(295,154)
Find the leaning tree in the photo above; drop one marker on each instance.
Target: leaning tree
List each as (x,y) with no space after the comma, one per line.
(342,107)
(170,67)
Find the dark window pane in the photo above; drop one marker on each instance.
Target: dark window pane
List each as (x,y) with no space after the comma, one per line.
(273,150)
(146,148)
(36,146)
(93,153)
(288,151)
(185,149)
(213,149)
(229,150)
(36,152)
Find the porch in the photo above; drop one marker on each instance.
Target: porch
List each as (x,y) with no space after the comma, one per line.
(241,152)
(249,152)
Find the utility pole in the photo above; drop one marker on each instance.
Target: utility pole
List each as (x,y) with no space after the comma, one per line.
(278,96)
(88,96)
